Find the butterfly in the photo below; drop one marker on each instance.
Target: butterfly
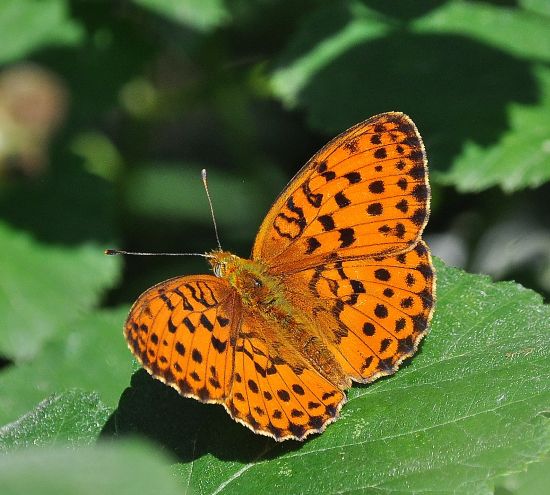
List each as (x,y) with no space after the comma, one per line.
(339,289)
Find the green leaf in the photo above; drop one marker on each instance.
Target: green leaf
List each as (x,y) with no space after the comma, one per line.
(72,417)
(88,354)
(329,33)
(533,481)
(44,287)
(175,191)
(325,35)
(513,30)
(28,25)
(122,469)
(536,6)
(467,409)
(348,62)
(202,15)
(521,158)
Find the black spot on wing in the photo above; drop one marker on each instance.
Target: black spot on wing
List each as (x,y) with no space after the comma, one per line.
(185,302)
(329,175)
(375,209)
(218,344)
(369,329)
(380,153)
(353,177)
(222,321)
(420,192)
(171,327)
(417,172)
(189,325)
(376,187)
(314,199)
(347,237)
(180,349)
(312,245)
(196,356)
(341,200)
(206,323)
(403,206)
(419,216)
(327,222)
(167,301)
(402,184)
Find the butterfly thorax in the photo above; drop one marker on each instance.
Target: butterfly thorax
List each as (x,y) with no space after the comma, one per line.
(256,287)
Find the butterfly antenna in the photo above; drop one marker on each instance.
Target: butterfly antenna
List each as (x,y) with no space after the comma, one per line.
(205,182)
(113,252)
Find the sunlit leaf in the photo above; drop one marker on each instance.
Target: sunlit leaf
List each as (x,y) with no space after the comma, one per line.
(89,354)
(203,15)
(516,31)
(72,417)
(45,287)
(27,25)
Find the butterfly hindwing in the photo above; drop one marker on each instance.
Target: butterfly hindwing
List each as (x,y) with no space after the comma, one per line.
(374,312)
(276,393)
(181,331)
(366,193)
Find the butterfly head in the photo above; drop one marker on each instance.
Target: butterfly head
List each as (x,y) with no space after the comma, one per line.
(248,277)
(223,263)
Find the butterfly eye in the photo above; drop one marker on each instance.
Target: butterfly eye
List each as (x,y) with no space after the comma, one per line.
(257,283)
(219,270)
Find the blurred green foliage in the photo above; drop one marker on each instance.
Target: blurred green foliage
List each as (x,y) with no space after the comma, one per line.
(108,112)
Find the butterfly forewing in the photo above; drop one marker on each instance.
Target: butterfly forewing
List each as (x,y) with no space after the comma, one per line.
(180,330)
(364,194)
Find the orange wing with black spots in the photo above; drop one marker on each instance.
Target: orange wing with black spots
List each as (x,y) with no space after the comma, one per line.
(275,392)
(374,311)
(181,331)
(366,193)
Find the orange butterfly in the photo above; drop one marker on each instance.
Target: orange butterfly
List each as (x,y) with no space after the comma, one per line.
(339,288)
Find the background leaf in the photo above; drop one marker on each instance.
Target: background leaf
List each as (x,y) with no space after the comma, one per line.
(520,159)
(27,25)
(532,481)
(89,354)
(339,61)
(519,31)
(44,288)
(199,14)
(124,469)
(537,6)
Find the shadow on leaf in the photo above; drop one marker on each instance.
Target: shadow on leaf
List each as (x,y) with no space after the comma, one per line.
(185,427)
